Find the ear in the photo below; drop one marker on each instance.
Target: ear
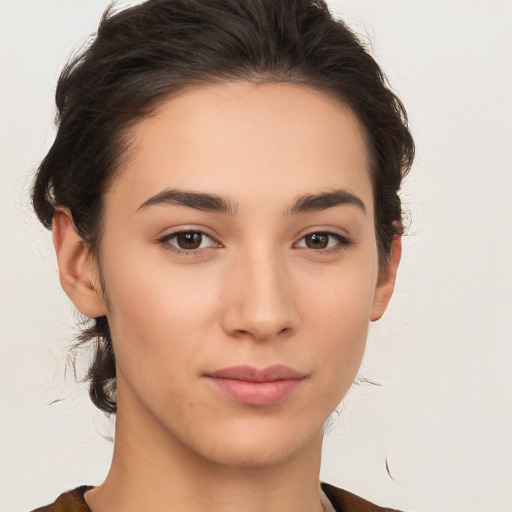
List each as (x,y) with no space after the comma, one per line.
(386,281)
(79,275)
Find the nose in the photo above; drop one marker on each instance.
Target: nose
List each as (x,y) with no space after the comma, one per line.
(259,301)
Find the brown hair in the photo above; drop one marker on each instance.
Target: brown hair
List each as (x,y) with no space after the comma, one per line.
(144,54)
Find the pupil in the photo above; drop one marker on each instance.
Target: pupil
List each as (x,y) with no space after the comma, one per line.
(317,241)
(189,240)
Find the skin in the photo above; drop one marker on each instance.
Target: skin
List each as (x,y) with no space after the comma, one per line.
(253,293)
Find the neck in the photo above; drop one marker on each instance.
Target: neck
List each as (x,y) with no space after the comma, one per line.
(151,470)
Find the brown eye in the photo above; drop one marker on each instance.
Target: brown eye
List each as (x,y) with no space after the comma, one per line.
(317,241)
(188,241)
(322,241)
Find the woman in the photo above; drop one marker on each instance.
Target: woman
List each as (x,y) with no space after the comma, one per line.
(222,193)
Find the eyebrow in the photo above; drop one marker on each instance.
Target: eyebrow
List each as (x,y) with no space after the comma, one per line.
(214,203)
(197,200)
(325,200)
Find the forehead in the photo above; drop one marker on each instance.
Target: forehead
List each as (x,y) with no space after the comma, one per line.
(238,139)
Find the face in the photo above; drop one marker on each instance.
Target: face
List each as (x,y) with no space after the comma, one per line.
(240,268)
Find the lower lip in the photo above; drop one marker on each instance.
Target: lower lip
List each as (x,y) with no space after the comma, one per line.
(258,394)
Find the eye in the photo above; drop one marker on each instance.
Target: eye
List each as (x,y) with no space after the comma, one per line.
(323,241)
(188,241)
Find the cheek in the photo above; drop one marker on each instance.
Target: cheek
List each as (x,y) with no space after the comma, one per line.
(340,316)
(158,317)
(341,296)
(150,293)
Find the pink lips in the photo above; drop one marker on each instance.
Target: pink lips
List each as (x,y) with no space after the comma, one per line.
(251,386)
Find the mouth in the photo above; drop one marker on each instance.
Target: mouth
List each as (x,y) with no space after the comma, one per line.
(256,387)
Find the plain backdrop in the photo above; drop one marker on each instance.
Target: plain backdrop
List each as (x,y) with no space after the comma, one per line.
(441,420)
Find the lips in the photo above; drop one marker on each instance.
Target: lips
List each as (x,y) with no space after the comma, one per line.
(256,387)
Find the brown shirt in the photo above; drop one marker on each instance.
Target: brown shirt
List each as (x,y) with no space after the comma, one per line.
(342,501)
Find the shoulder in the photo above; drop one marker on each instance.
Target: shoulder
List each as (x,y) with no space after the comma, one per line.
(71,501)
(344,501)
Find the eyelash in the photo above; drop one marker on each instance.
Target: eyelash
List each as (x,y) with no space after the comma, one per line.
(342,242)
(165,241)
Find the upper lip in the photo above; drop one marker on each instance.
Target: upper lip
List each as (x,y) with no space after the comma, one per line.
(252,374)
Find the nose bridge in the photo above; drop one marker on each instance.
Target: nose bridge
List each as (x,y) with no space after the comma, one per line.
(260,301)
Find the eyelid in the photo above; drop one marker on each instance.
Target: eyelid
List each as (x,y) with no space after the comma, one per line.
(164,240)
(344,242)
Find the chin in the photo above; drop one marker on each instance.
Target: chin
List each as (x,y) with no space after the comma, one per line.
(250,457)
(258,448)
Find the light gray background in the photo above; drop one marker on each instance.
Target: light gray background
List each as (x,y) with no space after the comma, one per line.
(442,418)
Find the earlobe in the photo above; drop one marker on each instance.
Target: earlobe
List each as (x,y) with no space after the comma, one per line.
(78,272)
(387,279)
